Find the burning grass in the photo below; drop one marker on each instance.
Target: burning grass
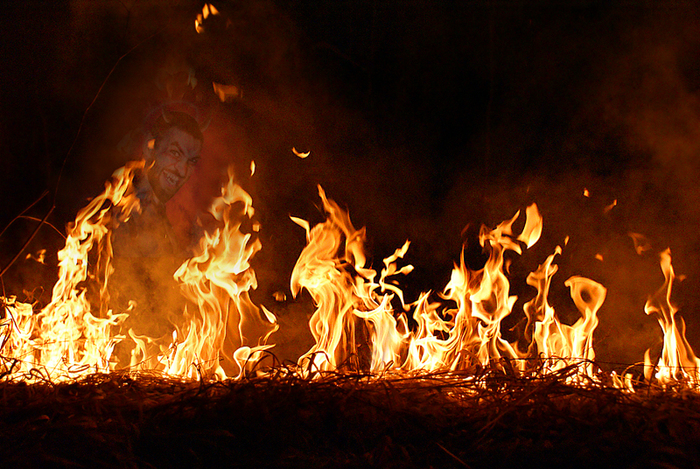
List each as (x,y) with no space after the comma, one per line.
(484,418)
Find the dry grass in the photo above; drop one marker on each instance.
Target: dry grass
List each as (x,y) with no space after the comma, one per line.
(345,420)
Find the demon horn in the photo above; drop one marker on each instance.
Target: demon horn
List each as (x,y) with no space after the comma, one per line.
(206,123)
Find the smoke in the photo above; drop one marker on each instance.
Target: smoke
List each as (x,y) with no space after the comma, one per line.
(651,96)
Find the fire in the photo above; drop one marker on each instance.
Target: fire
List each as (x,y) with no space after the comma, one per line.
(75,335)
(207,9)
(300,154)
(70,336)
(362,319)
(353,310)
(678,362)
(226,92)
(225,329)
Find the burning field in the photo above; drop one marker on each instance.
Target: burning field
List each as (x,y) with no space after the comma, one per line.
(217,304)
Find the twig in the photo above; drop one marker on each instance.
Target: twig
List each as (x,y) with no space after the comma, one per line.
(45,223)
(458,459)
(65,159)
(26,243)
(43,194)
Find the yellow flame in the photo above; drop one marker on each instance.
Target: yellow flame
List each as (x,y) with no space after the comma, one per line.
(353,309)
(361,316)
(70,336)
(226,329)
(224,333)
(678,362)
(300,154)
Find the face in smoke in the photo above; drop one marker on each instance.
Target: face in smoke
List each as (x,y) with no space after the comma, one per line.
(171,162)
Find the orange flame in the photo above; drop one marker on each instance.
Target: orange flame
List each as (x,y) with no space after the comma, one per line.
(226,329)
(360,319)
(224,332)
(352,310)
(226,92)
(678,362)
(301,155)
(69,336)
(207,9)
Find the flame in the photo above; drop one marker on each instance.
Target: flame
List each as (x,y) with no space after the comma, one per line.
(332,269)
(608,208)
(40,256)
(224,332)
(225,329)
(361,317)
(300,154)
(279,296)
(69,335)
(207,9)
(353,310)
(226,92)
(678,362)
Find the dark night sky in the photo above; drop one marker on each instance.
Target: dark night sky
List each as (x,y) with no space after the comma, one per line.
(422,117)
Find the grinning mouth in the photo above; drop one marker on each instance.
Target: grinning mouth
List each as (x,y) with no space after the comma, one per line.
(171,179)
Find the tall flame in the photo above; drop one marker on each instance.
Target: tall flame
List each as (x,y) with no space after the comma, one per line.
(678,362)
(70,336)
(225,329)
(353,310)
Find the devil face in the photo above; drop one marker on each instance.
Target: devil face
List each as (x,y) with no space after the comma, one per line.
(172,162)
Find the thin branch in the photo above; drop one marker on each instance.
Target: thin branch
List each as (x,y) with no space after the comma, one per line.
(45,223)
(92,103)
(26,243)
(65,159)
(21,215)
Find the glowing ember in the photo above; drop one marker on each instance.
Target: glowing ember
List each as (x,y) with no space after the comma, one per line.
(300,154)
(207,9)
(226,92)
